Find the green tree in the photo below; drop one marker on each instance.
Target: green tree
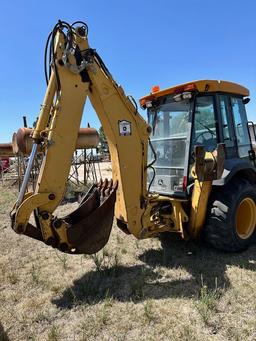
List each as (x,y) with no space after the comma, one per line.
(103,148)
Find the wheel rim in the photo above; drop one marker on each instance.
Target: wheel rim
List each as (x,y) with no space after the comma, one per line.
(246,218)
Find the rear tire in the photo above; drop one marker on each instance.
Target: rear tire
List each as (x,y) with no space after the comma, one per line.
(231,218)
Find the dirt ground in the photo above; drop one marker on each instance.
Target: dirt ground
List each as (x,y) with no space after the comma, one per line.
(132,290)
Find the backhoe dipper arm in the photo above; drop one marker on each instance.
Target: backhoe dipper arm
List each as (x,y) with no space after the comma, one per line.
(127,134)
(78,72)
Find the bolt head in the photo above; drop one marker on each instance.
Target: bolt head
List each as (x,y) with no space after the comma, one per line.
(51,196)
(149,129)
(45,215)
(57,223)
(81,31)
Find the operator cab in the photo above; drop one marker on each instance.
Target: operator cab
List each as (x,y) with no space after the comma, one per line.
(205,112)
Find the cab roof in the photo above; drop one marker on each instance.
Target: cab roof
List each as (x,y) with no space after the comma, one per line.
(199,85)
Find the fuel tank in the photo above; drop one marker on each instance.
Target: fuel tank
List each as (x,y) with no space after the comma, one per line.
(22,142)
(6,150)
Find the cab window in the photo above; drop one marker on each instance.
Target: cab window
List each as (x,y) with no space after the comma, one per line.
(204,132)
(226,121)
(240,125)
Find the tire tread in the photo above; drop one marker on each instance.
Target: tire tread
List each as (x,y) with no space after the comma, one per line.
(219,230)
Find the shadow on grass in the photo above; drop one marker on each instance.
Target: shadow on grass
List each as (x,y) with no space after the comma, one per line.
(146,281)
(200,260)
(3,335)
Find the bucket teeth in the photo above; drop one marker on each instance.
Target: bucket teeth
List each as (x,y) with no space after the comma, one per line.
(107,191)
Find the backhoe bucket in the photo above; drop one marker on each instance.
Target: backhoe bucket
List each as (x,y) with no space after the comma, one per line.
(88,227)
(91,223)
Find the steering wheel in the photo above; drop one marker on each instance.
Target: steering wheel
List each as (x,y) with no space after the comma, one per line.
(201,135)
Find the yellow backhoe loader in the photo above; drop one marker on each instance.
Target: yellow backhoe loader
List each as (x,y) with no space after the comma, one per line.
(189,170)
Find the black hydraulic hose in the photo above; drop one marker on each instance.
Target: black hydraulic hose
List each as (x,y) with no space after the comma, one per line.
(153,177)
(83,24)
(154,153)
(131,98)
(54,32)
(150,165)
(46,74)
(50,42)
(102,64)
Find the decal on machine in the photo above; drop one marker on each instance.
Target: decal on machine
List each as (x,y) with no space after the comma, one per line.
(125,128)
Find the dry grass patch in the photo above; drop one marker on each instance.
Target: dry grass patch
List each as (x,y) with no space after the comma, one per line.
(136,290)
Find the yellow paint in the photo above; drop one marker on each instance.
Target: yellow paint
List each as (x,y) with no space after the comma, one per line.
(28,205)
(199,203)
(46,229)
(45,108)
(246,218)
(201,86)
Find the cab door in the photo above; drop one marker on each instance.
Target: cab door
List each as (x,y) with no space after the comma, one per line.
(234,131)
(227,132)
(240,127)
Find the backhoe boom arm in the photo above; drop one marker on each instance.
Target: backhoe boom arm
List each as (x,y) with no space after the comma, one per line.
(78,72)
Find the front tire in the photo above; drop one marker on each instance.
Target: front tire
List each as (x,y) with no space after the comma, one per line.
(231,219)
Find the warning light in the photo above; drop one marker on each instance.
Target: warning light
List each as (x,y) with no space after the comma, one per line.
(155,88)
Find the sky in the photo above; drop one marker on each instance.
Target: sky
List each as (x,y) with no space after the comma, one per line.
(142,42)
